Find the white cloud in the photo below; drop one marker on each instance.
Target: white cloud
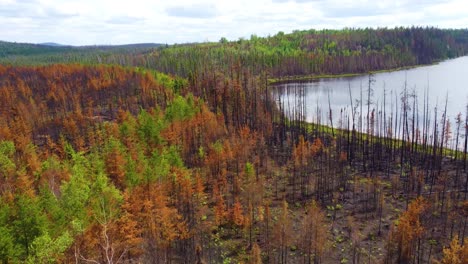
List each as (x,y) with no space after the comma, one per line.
(88,22)
(192,11)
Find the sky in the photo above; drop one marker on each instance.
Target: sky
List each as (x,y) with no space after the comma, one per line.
(111,22)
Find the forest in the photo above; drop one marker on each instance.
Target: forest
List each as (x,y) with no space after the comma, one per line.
(180,154)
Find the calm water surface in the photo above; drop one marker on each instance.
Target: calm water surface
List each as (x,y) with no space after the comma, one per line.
(448,79)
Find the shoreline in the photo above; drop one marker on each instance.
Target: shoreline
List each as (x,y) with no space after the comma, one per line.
(447,152)
(309,78)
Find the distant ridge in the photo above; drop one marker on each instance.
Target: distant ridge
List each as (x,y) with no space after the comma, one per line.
(8,49)
(52,44)
(131,45)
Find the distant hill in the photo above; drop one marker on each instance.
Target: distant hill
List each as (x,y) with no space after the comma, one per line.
(52,44)
(14,49)
(122,47)
(27,49)
(138,45)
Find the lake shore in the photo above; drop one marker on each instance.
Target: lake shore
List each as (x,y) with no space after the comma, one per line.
(308,78)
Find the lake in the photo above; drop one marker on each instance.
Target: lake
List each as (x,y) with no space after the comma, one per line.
(445,80)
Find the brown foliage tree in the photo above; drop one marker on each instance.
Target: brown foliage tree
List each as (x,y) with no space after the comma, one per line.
(409,230)
(314,236)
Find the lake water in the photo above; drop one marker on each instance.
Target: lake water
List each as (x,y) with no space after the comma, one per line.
(445,80)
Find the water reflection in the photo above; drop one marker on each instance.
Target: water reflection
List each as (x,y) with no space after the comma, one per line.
(447,80)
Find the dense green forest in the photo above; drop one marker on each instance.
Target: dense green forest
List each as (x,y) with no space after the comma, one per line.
(306,52)
(179,154)
(25,53)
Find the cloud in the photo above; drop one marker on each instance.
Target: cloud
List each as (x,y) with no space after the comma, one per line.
(352,11)
(33,9)
(51,12)
(194,11)
(125,20)
(10,11)
(88,22)
(297,1)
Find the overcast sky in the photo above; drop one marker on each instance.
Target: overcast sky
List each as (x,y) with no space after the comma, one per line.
(89,22)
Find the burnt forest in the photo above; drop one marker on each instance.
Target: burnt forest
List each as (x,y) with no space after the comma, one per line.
(181,153)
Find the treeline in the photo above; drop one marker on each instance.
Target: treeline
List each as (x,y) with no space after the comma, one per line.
(314,52)
(308,52)
(33,54)
(25,49)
